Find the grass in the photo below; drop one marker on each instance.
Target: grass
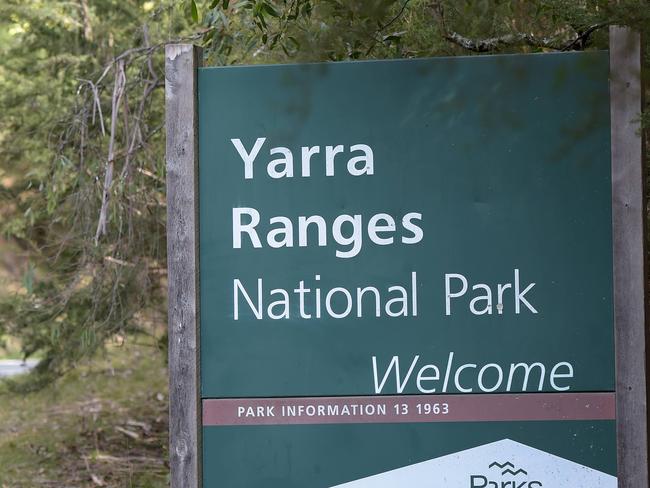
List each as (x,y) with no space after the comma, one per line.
(105,424)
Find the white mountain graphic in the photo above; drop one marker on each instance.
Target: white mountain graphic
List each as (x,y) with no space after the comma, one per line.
(496,464)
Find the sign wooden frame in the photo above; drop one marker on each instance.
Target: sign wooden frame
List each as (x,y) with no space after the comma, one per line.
(628,200)
(628,210)
(181,66)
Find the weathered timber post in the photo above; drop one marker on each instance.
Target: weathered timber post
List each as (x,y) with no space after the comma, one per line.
(628,208)
(181,63)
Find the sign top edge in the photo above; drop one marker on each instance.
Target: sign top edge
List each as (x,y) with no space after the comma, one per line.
(595,52)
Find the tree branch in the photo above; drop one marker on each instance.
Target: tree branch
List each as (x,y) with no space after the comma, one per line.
(394,19)
(118,92)
(494,43)
(561,41)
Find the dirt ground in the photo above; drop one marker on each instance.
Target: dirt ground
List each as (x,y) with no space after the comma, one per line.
(105,424)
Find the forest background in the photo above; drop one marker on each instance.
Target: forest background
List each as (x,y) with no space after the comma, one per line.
(82,188)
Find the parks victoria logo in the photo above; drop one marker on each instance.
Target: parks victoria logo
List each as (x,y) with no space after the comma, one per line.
(503,475)
(501,464)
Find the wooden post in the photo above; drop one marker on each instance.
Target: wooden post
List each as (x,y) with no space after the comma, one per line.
(181,63)
(629,257)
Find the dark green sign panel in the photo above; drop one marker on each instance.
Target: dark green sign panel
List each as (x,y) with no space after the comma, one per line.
(406,273)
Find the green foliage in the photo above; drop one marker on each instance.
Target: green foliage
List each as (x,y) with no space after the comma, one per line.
(317,30)
(61,132)
(82,132)
(301,30)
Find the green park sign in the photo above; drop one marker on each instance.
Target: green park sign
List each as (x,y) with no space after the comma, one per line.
(394,274)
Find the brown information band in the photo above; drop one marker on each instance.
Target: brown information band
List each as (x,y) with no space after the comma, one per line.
(409,408)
